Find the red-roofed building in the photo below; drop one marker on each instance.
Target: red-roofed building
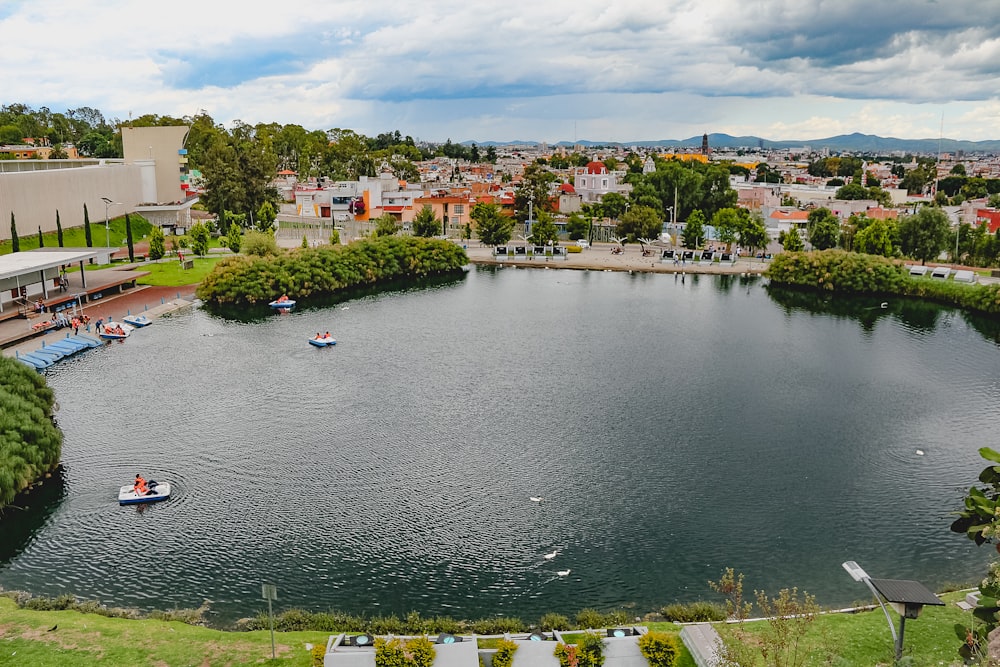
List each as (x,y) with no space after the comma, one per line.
(988,217)
(594,181)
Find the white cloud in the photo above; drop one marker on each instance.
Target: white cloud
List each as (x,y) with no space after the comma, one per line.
(631,70)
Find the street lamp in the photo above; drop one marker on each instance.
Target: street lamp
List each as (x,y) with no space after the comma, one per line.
(107,229)
(908,598)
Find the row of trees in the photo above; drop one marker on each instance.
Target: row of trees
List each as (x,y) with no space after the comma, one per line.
(923,235)
(86,128)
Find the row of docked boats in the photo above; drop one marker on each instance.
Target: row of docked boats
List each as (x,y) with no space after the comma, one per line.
(52,352)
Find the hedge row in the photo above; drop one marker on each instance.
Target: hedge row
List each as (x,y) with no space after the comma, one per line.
(839,271)
(321,272)
(30,443)
(414,624)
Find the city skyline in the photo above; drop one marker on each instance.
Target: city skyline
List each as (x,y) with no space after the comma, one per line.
(626,72)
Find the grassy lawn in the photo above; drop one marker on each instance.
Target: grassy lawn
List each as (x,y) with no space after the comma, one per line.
(168,272)
(89,639)
(864,638)
(75,237)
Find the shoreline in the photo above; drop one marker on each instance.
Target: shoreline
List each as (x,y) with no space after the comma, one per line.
(600,258)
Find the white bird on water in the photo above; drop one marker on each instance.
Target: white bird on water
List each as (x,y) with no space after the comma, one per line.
(536,499)
(920,452)
(563,573)
(551,555)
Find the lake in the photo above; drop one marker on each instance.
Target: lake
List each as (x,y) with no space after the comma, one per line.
(673,425)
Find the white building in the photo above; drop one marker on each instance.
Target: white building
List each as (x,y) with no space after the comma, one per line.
(595,180)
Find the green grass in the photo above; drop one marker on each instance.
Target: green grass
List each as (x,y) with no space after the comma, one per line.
(89,639)
(864,638)
(168,272)
(75,237)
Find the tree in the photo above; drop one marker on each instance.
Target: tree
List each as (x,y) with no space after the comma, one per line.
(925,234)
(694,229)
(534,189)
(426,223)
(614,205)
(791,240)
(128,238)
(824,229)
(544,230)
(199,238)
(876,239)
(234,238)
(266,216)
(753,234)
(59,232)
(157,243)
(727,223)
(577,227)
(15,242)
(492,227)
(86,227)
(640,222)
(58,153)
(386,225)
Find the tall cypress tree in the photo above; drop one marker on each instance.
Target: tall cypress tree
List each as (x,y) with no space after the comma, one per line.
(86,227)
(41,240)
(15,242)
(128,238)
(59,229)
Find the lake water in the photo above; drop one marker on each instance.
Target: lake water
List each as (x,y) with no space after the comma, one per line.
(674,426)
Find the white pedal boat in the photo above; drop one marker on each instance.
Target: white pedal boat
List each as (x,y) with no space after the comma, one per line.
(157,491)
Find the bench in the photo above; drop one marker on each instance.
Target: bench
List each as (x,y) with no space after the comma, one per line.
(187,264)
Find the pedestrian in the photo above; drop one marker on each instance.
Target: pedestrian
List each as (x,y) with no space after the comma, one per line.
(76,325)
(86,323)
(99,324)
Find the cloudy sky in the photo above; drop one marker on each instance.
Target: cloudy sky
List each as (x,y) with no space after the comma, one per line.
(543,70)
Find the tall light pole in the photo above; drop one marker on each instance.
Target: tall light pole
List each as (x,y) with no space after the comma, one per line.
(107,229)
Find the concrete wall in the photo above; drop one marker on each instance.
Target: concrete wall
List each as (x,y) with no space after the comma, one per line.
(161,145)
(35,196)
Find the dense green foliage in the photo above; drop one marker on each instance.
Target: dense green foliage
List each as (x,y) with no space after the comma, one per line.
(425,223)
(659,649)
(322,271)
(493,227)
(588,652)
(504,657)
(414,652)
(836,270)
(694,612)
(157,243)
(30,443)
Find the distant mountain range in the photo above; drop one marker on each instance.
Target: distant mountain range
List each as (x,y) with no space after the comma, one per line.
(857,143)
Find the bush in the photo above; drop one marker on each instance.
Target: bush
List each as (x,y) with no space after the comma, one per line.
(694,612)
(554,622)
(839,271)
(260,244)
(323,271)
(30,442)
(416,652)
(590,618)
(497,626)
(504,657)
(659,648)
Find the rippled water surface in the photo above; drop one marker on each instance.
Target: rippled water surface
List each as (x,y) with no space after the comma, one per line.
(673,426)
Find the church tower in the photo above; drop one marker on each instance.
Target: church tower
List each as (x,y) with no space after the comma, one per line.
(704,144)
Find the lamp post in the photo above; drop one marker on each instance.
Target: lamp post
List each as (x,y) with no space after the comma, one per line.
(107,229)
(908,598)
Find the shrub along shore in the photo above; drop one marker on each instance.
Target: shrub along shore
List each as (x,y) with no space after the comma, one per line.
(839,271)
(306,273)
(30,442)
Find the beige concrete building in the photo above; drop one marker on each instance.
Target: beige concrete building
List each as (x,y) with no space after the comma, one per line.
(148,177)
